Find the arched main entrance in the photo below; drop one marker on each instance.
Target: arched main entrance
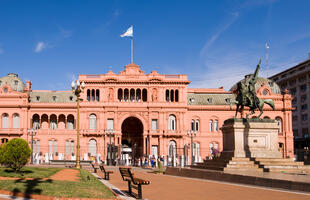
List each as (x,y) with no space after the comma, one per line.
(132,137)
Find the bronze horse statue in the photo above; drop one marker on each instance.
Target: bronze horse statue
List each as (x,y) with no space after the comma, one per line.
(241,102)
(247,95)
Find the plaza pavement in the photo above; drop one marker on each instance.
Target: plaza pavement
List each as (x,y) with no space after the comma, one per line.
(172,187)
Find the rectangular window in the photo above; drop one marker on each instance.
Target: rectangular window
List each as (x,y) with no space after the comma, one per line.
(293,91)
(303,88)
(305,132)
(50,146)
(303,98)
(110,123)
(67,147)
(38,146)
(55,146)
(304,107)
(72,147)
(295,132)
(304,117)
(154,124)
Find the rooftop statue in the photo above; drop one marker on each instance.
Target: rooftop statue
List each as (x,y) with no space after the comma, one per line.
(246,95)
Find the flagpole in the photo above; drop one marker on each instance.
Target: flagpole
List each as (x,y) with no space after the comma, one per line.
(267,57)
(131,49)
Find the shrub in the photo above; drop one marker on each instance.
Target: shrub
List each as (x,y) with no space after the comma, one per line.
(15,154)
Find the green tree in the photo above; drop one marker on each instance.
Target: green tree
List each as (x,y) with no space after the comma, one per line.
(15,154)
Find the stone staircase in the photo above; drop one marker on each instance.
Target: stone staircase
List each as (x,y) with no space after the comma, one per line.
(230,164)
(286,165)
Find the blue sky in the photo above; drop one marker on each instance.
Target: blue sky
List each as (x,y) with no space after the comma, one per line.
(214,42)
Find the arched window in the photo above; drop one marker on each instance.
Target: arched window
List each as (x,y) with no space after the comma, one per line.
(92,148)
(93,94)
(126,95)
(172,122)
(36,121)
(4,140)
(88,95)
(97,95)
(172,149)
(172,95)
(92,122)
(70,122)
(132,95)
(279,122)
(144,95)
(197,125)
(62,121)
(176,96)
(120,95)
(216,125)
(44,121)
(5,120)
(193,125)
(15,121)
(167,95)
(138,95)
(53,122)
(211,125)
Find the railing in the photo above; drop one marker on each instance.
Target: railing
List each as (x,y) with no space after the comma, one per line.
(11,131)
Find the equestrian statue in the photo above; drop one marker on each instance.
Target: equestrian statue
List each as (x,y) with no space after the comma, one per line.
(246,95)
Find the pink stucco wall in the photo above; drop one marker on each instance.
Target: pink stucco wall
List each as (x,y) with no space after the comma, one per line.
(155,107)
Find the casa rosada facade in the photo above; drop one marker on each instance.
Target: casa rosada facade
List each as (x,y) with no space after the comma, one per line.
(141,115)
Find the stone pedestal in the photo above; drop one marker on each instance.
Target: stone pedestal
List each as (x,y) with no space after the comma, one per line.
(255,138)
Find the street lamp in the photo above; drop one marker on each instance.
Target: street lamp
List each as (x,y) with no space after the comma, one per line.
(192,134)
(32,133)
(77,88)
(110,133)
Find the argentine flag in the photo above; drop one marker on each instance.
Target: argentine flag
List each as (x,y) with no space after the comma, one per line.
(128,33)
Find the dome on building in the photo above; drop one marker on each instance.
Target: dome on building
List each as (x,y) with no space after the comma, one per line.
(14,81)
(260,82)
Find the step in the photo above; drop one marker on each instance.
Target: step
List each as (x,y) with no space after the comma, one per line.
(281,163)
(241,166)
(274,159)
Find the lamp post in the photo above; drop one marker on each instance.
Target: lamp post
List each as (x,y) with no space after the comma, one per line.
(192,134)
(32,133)
(110,133)
(77,88)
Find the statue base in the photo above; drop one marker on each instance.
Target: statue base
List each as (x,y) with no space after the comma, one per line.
(252,138)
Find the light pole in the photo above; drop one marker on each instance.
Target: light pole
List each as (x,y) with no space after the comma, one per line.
(110,133)
(77,89)
(32,133)
(192,134)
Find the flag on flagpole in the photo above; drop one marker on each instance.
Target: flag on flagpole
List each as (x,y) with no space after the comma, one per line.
(267,46)
(128,33)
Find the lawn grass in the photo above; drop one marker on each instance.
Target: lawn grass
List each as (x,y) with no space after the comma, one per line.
(29,172)
(85,188)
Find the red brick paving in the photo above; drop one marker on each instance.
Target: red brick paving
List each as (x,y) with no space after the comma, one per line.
(170,187)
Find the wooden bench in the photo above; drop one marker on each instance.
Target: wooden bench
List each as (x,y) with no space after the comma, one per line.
(105,172)
(94,167)
(128,176)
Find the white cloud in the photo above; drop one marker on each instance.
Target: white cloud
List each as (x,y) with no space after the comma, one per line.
(221,30)
(40,46)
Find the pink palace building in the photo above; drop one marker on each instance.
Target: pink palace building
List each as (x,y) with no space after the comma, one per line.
(140,115)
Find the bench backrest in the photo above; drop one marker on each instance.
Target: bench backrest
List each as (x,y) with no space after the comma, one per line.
(126,173)
(102,168)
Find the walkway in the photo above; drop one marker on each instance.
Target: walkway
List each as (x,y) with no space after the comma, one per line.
(172,187)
